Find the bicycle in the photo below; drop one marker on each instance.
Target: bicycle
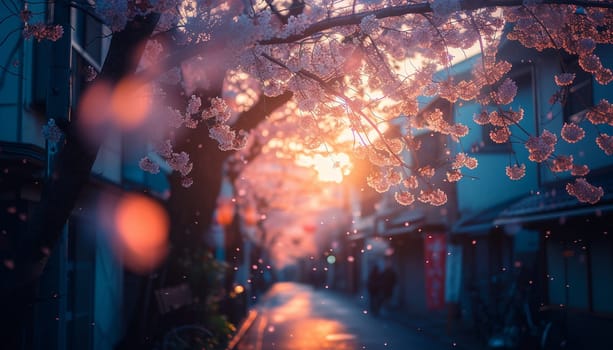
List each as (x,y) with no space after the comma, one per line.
(520,330)
(187,337)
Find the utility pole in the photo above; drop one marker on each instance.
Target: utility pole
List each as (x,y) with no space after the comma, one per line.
(51,312)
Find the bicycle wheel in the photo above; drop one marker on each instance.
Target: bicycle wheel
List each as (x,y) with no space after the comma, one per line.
(553,337)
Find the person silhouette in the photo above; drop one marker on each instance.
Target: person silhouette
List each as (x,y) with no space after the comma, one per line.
(374,290)
(388,282)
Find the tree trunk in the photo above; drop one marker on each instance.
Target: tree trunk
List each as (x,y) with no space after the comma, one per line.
(71,172)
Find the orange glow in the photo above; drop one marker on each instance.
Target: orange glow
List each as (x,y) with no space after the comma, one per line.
(225,212)
(250,215)
(314,332)
(142,232)
(331,168)
(130,103)
(93,108)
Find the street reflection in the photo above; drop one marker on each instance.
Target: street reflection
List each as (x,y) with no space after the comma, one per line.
(290,320)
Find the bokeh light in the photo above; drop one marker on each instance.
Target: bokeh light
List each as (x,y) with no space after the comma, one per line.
(130,103)
(93,110)
(142,227)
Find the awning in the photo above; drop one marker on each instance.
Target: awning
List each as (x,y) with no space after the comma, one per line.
(553,203)
(479,223)
(400,221)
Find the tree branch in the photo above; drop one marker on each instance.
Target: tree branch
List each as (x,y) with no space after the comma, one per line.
(187,52)
(265,105)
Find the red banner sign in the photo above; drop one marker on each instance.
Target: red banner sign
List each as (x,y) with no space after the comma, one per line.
(435,252)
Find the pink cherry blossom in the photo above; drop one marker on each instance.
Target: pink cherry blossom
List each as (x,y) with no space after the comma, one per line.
(579,170)
(464,160)
(506,92)
(426,171)
(584,192)
(410,182)
(194,105)
(541,147)
(481,118)
(454,175)
(149,166)
(41,31)
(572,133)
(52,132)
(516,171)
(187,182)
(590,63)
(561,164)
(404,197)
(564,79)
(605,142)
(500,135)
(433,197)
(601,113)
(369,24)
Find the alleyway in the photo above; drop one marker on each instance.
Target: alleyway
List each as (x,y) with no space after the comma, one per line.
(295,316)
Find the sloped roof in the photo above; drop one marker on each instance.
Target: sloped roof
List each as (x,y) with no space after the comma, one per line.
(554,202)
(482,222)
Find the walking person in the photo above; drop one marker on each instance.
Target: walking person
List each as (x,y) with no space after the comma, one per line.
(388,282)
(374,290)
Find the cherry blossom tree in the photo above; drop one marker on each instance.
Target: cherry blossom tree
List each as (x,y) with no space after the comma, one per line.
(348,70)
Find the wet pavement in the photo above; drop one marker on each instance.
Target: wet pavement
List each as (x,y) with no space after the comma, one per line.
(293,316)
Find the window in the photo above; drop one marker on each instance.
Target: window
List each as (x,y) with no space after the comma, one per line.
(88,43)
(432,144)
(579,96)
(431,150)
(524,99)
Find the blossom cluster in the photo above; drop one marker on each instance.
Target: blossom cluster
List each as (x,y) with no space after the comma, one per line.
(572,133)
(177,161)
(53,134)
(464,160)
(576,32)
(42,31)
(435,197)
(149,165)
(584,191)
(506,92)
(601,113)
(516,171)
(541,147)
(369,25)
(350,76)
(605,142)
(562,163)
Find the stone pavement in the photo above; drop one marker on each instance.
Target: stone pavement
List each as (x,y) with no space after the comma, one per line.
(434,325)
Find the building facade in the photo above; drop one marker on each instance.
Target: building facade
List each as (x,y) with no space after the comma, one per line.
(507,239)
(85,296)
(530,236)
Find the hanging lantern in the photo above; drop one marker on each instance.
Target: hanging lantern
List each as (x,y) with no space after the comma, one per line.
(309,228)
(250,215)
(225,212)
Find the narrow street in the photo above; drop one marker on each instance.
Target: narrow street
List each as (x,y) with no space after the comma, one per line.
(296,316)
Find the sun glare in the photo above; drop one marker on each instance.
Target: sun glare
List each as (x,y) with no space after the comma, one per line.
(330,168)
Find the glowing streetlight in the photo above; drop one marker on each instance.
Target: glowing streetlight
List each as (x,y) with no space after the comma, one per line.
(225,212)
(250,215)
